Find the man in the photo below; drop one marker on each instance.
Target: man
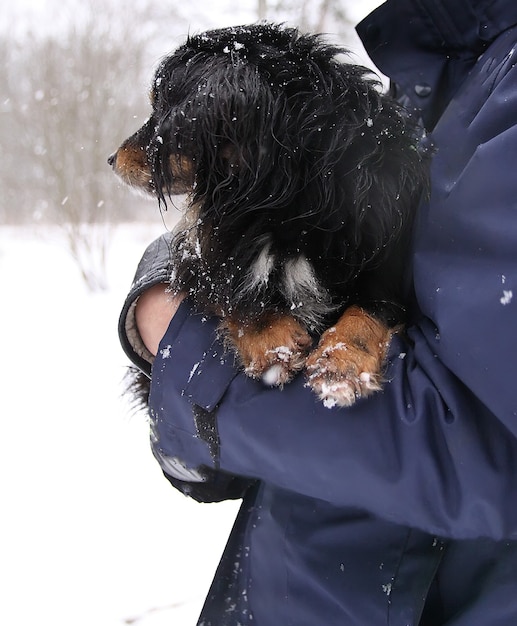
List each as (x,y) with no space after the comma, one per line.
(401,509)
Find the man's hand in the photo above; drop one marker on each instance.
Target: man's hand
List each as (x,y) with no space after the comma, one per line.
(154,310)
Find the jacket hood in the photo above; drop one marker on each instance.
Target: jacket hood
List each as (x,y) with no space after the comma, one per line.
(428,46)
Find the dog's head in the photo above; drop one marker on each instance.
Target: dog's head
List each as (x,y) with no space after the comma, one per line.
(263,118)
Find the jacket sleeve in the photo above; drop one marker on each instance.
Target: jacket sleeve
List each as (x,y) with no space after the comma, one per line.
(437,449)
(424,453)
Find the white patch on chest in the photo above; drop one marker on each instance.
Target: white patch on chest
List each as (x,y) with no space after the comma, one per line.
(260,270)
(311,302)
(299,278)
(263,266)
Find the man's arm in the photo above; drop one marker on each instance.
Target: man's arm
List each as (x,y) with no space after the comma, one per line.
(423,453)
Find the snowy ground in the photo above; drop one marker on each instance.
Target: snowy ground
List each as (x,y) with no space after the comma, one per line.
(90,531)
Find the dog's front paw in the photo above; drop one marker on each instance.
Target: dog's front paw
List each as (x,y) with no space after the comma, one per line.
(339,374)
(273,350)
(347,364)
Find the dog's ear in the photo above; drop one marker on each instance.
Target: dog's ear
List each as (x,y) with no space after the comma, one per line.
(225,127)
(230,154)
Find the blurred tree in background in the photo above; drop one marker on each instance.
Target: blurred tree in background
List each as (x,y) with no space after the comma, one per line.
(71,92)
(309,15)
(70,95)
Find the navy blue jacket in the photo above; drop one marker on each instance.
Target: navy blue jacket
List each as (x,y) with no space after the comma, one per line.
(403,508)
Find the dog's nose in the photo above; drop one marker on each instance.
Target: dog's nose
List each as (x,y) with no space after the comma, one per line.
(112,158)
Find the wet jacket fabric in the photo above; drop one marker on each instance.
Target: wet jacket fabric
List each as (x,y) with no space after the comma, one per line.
(402,509)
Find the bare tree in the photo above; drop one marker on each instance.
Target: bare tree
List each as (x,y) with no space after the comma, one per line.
(71,98)
(262,9)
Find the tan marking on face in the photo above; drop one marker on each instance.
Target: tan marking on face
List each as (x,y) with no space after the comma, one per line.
(133,168)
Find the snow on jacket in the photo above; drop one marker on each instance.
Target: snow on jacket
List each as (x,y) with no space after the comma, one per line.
(358,516)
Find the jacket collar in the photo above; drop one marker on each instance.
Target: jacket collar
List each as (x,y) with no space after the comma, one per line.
(427,47)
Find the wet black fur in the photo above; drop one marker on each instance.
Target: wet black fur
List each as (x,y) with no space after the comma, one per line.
(293,147)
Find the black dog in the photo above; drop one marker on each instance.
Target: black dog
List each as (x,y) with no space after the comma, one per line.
(302,180)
